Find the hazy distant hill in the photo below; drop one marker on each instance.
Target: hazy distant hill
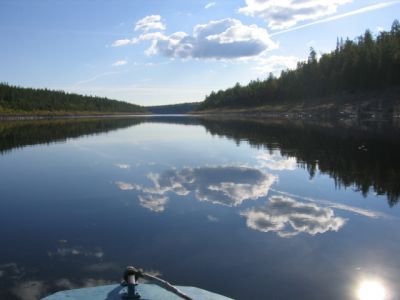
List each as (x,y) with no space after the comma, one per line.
(18,100)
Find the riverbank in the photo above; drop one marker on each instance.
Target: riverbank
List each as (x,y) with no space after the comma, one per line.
(366,105)
(62,115)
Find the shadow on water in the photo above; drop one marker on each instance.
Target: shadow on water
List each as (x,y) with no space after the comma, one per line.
(361,155)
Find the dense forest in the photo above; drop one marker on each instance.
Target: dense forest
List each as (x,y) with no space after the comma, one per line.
(182,108)
(365,64)
(15,99)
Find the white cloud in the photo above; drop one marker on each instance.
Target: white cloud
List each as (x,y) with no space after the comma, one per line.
(336,205)
(30,290)
(288,217)
(275,161)
(64,250)
(11,270)
(154,202)
(94,78)
(281,14)
(102,267)
(148,23)
(209,5)
(228,186)
(341,16)
(237,192)
(124,42)
(122,166)
(170,180)
(221,39)
(211,218)
(120,63)
(125,186)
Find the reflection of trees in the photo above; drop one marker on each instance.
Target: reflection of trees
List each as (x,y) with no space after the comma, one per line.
(367,158)
(18,134)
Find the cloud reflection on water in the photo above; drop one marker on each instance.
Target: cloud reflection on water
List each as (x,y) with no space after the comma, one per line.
(102,267)
(274,161)
(357,210)
(123,166)
(228,186)
(126,186)
(153,202)
(30,290)
(288,217)
(64,250)
(11,270)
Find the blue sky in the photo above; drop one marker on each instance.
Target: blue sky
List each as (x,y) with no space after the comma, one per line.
(159,52)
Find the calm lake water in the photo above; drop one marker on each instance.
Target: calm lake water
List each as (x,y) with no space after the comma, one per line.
(248,209)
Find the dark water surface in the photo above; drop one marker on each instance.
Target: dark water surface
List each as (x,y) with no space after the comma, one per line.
(248,209)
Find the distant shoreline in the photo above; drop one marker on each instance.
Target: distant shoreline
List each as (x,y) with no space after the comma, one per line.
(372,105)
(27,116)
(377,105)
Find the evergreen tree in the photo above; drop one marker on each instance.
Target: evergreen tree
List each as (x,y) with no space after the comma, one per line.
(365,64)
(17,99)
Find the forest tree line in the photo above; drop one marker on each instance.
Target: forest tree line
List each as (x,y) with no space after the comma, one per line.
(367,63)
(18,99)
(182,108)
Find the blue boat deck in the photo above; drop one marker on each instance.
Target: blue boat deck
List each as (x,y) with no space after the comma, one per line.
(146,291)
